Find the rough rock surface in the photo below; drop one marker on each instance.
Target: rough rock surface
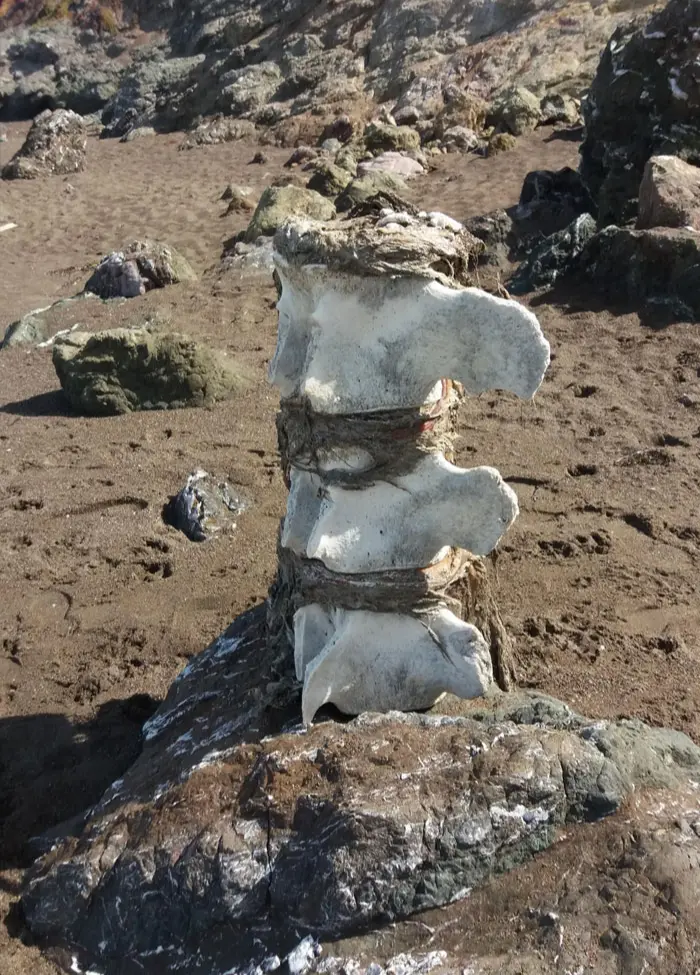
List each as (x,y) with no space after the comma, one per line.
(55,146)
(361,189)
(554,256)
(142,266)
(120,370)
(515,110)
(644,101)
(381,137)
(57,66)
(217,130)
(391,162)
(222,846)
(329,180)
(36,327)
(279,203)
(669,195)
(655,270)
(550,200)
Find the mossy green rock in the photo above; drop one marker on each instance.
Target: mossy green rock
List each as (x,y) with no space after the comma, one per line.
(364,187)
(279,203)
(122,370)
(380,137)
(516,110)
(329,180)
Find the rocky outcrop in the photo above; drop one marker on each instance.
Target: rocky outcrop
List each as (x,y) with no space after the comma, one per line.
(279,203)
(142,266)
(669,194)
(656,271)
(58,66)
(644,101)
(55,146)
(229,839)
(121,370)
(217,130)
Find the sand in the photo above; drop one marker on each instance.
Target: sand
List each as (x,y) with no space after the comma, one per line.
(103,603)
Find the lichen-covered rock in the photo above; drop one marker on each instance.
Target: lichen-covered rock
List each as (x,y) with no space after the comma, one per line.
(654,270)
(55,146)
(556,107)
(279,203)
(461,108)
(347,160)
(391,162)
(644,101)
(553,257)
(380,137)
(515,110)
(121,370)
(460,138)
(363,188)
(220,129)
(142,266)
(228,839)
(669,194)
(500,142)
(329,179)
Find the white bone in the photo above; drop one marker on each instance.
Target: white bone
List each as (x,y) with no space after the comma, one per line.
(353,345)
(408,522)
(364,661)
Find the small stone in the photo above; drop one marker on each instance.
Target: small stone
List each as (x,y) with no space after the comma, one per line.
(142,266)
(259,159)
(500,142)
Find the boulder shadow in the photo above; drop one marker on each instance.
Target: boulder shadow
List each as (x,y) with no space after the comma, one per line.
(53,770)
(52,403)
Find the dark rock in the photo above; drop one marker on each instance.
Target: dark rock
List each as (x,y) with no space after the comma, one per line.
(549,202)
(121,370)
(234,834)
(203,507)
(646,269)
(341,128)
(142,266)
(55,146)
(495,229)
(644,101)
(669,195)
(555,256)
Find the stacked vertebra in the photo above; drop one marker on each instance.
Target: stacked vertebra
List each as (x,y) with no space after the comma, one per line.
(379,524)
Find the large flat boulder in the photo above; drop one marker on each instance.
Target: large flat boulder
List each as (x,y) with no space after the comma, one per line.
(121,370)
(669,194)
(236,832)
(55,146)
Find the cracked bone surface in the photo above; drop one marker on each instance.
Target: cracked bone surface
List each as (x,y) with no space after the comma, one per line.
(377,323)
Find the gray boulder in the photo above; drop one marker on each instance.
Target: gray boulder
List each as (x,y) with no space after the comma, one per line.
(219,129)
(142,266)
(55,146)
(121,370)
(234,833)
(363,187)
(279,203)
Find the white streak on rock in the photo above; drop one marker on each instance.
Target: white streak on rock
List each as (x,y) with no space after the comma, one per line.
(364,661)
(408,522)
(353,345)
